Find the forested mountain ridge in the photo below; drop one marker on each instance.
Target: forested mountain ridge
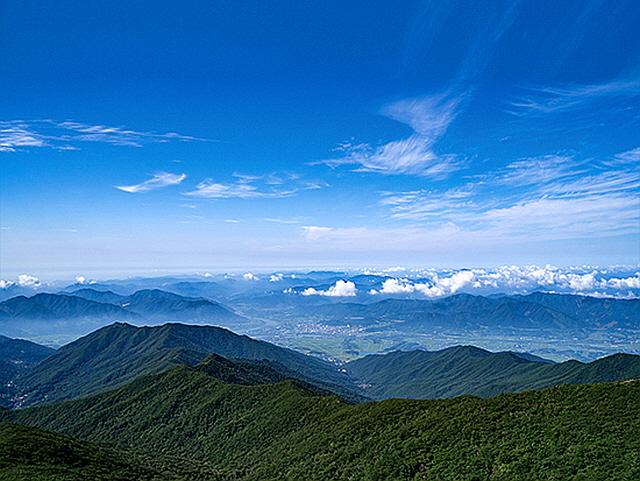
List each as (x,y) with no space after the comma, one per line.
(283,430)
(470,370)
(120,352)
(30,454)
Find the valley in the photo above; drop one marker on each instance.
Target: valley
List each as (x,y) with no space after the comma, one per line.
(235,382)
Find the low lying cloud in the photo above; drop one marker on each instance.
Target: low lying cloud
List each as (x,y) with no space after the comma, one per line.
(84,280)
(26,280)
(437,287)
(514,280)
(339,289)
(23,280)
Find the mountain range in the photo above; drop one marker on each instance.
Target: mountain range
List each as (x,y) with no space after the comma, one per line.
(188,402)
(464,370)
(86,309)
(534,311)
(253,428)
(120,352)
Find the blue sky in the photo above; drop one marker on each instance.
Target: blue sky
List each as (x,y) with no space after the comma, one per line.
(218,135)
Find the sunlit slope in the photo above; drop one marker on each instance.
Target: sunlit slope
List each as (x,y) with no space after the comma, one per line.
(285,430)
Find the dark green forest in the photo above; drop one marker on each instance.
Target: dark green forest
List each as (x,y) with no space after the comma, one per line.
(257,429)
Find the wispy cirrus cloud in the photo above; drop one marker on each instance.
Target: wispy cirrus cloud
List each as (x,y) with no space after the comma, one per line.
(624,158)
(538,170)
(70,135)
(17,135)
(157,181)
(120,135)
(269,186)
(557,197)
(429,117)
(427,204)
(546,100)
(280,220)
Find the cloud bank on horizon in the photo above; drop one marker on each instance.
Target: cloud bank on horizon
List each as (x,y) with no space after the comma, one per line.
(465,133)
(614,281)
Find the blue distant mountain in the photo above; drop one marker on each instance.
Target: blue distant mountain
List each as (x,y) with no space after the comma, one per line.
(87,309)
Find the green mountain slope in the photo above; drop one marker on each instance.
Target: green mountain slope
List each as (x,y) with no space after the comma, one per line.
(470,370)
(30,454)
(118,353)
(286,431)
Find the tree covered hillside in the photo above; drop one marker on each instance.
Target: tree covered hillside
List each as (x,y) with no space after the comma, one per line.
(255,429)
(470,370)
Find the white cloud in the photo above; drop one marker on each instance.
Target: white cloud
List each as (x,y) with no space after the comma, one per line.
(253,187)
(83,280)
(15,135)
(512,279)
(562,218)
(457,281)
(159,180)
(278,220)
(628,157)
(554,196)
(68,135)
(624,282)
(275,277)
(581,282)
(546,100)
(429,117)
(5,284)
(213,190)
(119,135)
(339,289)
(26,280)
(538,170)
(437,287)
(425,205)
(397,286)
(314,232)
(248,276)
